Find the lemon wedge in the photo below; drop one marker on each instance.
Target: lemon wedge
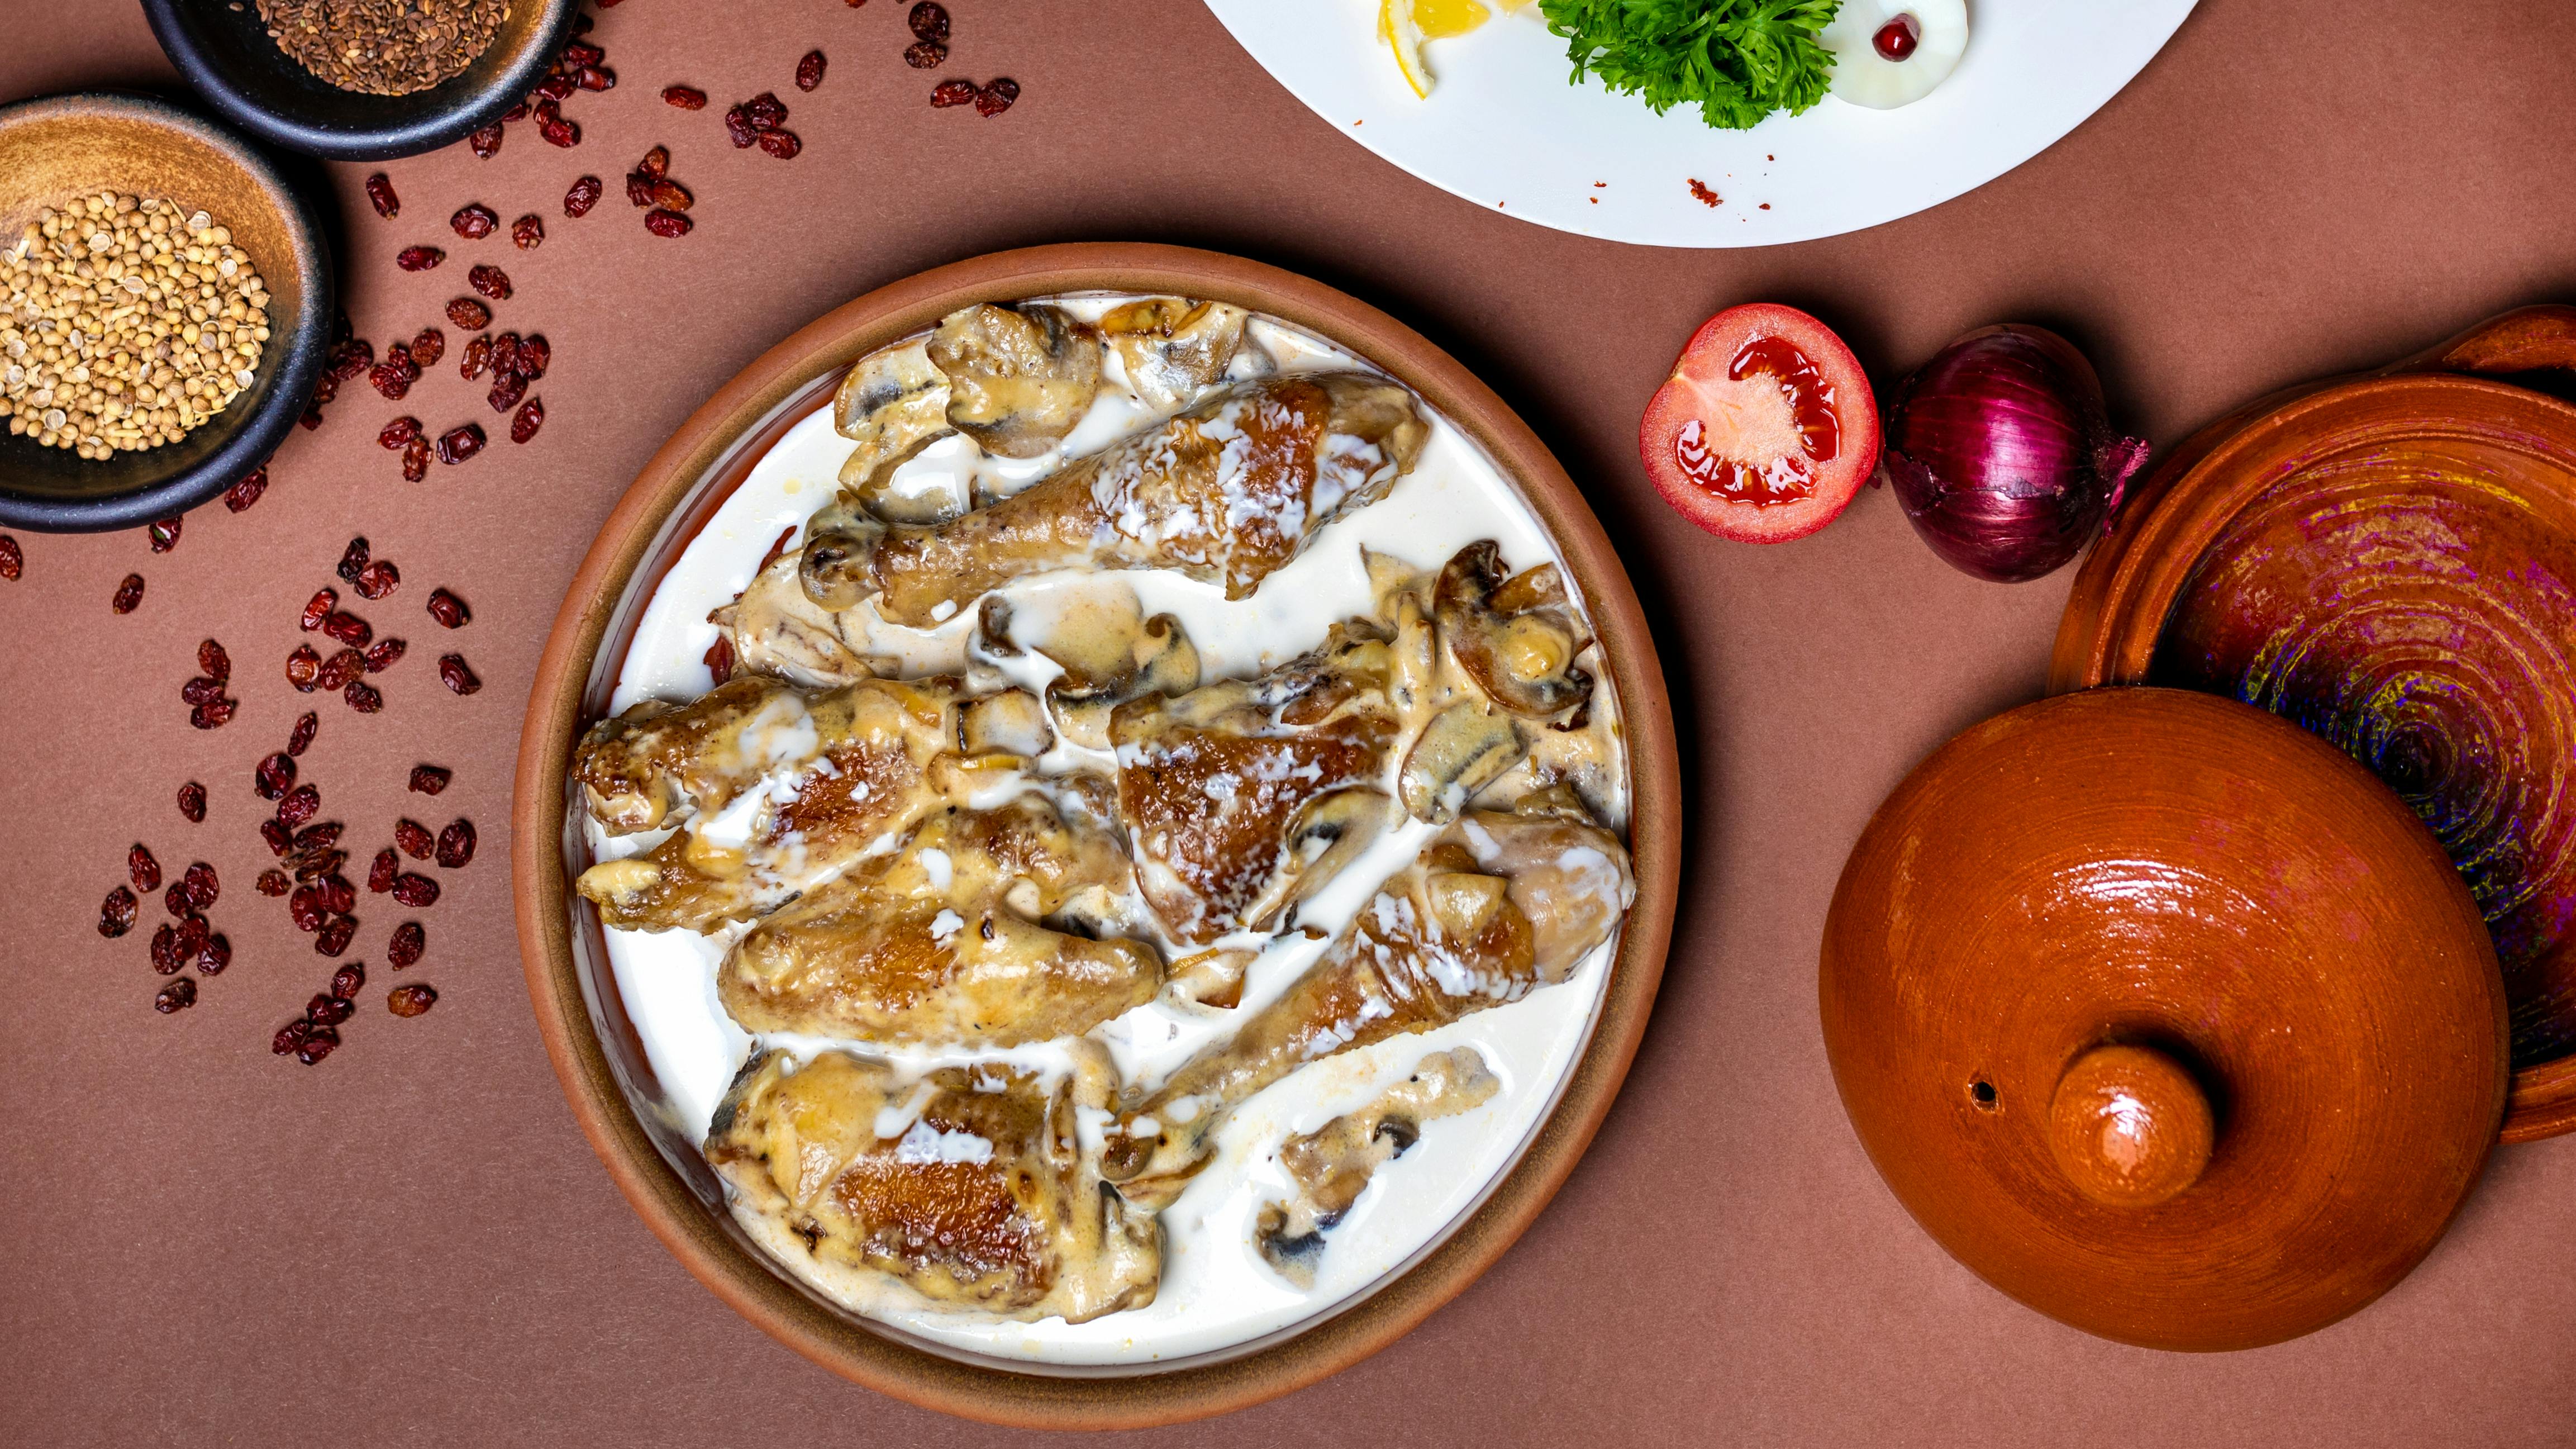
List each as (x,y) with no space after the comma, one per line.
(1405,24)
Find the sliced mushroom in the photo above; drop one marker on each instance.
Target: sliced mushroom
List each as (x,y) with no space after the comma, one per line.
(1461,751)
(1172,347)
(1018,380)
(1209,978)
(1328,833)
(1367,406)
(1464,903)
(893,404)
(776,628)
(1524,662)
(1009,723)
(1160,660)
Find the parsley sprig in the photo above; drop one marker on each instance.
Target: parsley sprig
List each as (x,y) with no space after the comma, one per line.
(1740,60)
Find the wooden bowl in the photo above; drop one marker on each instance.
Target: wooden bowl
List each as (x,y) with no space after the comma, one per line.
(2390,561)
(2164,1017)
(594,1045)
(61,147)
(225,52)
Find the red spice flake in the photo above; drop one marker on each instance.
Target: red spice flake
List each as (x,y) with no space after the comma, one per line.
(996,96)
(719,658)
(415,460)
(129,595)
(116,913)
(336,934)
(456,844)
(528,232)
(405,949)
(531,416)
(430,779)
(416,891)
(348,629)
(1706,197)
(214,715)
(303,668)
(583,195)
(507,389)
(319,607)
(781,144)
(469,315)
(382,654)
(165,534)
(489,280)
(142,869)
(739,129)
(380,193)
(428,347)
(487,141)
(458,444)
(953,93)
(655,165)
(301,736)
(179,995)
(201,885)
(349,980)
(926,55)
(929,20)
(214,661)
(453,673)
(380,875)
(192,802)
(687,98)
(13,562)
(397,433)
(340,669)
(214,956)
(451,612)
(274,776)
(298,806)
(362,697)
(478,355)
(474,221)
(377,579)
(272,882)
(410,1000)
(809,71)
(666,223)
(414,839)
(418,259)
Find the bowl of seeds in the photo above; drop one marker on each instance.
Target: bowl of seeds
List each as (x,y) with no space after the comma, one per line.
(363,80)
(165,304)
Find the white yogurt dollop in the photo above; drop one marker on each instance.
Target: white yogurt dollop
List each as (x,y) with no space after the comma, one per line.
(1866,76)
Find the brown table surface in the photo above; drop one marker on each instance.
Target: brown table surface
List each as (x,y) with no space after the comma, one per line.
(412,1243)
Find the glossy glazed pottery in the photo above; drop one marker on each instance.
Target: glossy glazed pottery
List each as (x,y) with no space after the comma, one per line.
(2390,561)
(602,1063)
(60,147)
(2164,1017)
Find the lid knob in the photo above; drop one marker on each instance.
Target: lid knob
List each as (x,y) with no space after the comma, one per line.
(2129,1126)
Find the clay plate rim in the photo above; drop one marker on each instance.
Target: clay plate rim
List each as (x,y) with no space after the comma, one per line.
(2127,585)
(555,991)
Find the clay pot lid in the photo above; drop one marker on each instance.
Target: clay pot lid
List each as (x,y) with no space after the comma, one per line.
(2164,1017)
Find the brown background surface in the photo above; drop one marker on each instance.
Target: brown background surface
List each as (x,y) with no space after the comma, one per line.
(411,1243)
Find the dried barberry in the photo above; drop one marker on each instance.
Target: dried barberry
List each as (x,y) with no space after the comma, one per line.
(809,71)
(200,690)
(274,776)
(179,995)
(507,389)
(397,433)
(380,192)
(996,96)
(313,839)
(531,416)
(781,144)
(352,559)
(349,980)
(666,223)
(528,232)
(298,805)
(458,444)
(312,419)
(326,1010)
(380,874)
(175,900)
(192,802)
(430,779)
(363,697)
(478,355)
(290,1036)
(318,1042)
(382,654)
(719,659)
(13,561)
(212,716)
(349,629)
(418,259)
(116,913)
(271,882)
(298,738)
(739,129)
(410,1000)
(449,611)
(581,53)
(338,896)
(926,55)
(242,494)
(639,189)
(687,98)
(557,129)
(428,347)
(405,949)
(453,673)
(201,884)
(489,280)
(505,353)
(765,111)
(303,668)
(211,658)
(214,956)
(349,357)
(165,950)
(414,839)
(142,869)
(128,596)
(474,221)
(276,835)
(583,195)
(469,315)
(319,607)
(954,93)
(377,579)
(417,891)
(595,78)
(655,165)
(669,195)
(164,533)
(456,844)
(335,935)
(929,20)
(190,938)
(304,908)
(415,460)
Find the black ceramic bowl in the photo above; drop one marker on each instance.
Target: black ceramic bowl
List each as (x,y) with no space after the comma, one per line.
(224,51)
(61,147)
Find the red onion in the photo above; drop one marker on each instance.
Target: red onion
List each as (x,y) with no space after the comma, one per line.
(2002,452)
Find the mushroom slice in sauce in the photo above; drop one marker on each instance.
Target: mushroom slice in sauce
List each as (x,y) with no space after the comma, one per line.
(1463,749)
(893,404)
(1018,378)
(1171,347)
(1332,1164)
(1328,833)
(1521,657)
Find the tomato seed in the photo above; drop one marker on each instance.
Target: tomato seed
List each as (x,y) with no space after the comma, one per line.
(380,193)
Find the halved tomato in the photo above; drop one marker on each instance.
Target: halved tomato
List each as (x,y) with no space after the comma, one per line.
(1766,428)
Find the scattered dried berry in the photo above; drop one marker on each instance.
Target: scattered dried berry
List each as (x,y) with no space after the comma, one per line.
(274,776)
(404,951)
(214,661)
(302,735)
(428,347)
(414,839)
(304,668)
(239,496)
(809,71)
(739,129)
(192,802)
(363,697)
(430,779)
(377,579)
(594,78)
(781,144)
(319,607)
(201,884)
(179,995)
(299,805)
(304,908)
(116,913)
(165,950)
(326,1010)
(348,981)
(478,355)
(175,900)
(394,376)
(382,654)
(487,141)
(449,611)
(670,195)
(335,935)
(318,1042)
(584,195)
(582,53)
(557,130)
(928,55)
(164,533)
(214,956)
(505,353)
(290,1036)
(954,93)
(507,389)
(349,357)
(415,460)
(719,659)
(996,96)
(314,838)
(687,98)
(528,232)
(489,280)
(453,673)
(142,869)
(380,874)
(765,111)
(272,882)
(129,595)
(410,1000)
(13,562)
(213,716)
(456,844)
(655,165)
(352,559)
(418,259)
(929,20)
(380,192)
(349,629)
(469,315)
(458,444)
(191,936)
(397,433)
(666,223)
(474,221)
(532,416)
(417,891)
(201,690)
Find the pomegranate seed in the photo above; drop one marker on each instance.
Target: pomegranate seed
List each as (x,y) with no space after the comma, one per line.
(414,839)
(505,353)
(377,579)
(363,697)
(142,869)
(489,280)
(474,221)
(303,668)
(739,129)
(449,611)
(302,735)
(487,141)
(719,659)
(410,1000)
(192,802)
(318,1044)
(179,995)
(687,98)
(290,1036)
(666,223)
(584,195)
(236,498)
(326,1010)
(507,389)
(274,776)
(418,259)
(655,165)
(430,779)
(458,444)
(409,941)
(165,534)
(271,882)
(809,71)
(380,875)
(214,956)
(349,629)
(129,595)
(528,232)
(348,981)
(380,192)
(954,93)
(456,844)
(1898,37)
(382,654)
(469,315)
(930,55)
(765,111)
(165,950)
(116,913)
(299,805)
(453,673)
(929,20)
(212,716)
(996,97)
(781,144)
(201,690)
(335,935)
(319,607)
(428,347)
(397,433)
(277,836)
(417,891)
(201,884)
(532,416)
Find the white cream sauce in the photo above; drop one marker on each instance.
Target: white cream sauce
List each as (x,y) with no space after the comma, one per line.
(1216,1293)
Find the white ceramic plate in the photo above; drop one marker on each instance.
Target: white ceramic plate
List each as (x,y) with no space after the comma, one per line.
(1503,129)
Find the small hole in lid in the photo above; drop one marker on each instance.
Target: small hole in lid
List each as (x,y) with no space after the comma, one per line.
(1982,1092)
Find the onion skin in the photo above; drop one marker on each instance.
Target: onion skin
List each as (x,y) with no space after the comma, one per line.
(2002,452)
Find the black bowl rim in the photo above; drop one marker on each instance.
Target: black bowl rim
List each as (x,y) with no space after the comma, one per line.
(261,430)
(427,131)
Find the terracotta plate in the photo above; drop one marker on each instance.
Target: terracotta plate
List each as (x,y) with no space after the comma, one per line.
(595,1047)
